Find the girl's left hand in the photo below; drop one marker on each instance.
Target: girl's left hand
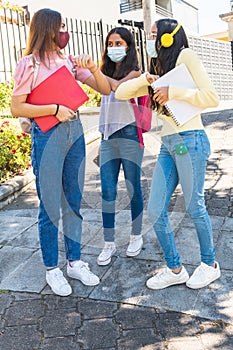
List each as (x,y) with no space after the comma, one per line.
(85,61)
(151,77)
(161,95)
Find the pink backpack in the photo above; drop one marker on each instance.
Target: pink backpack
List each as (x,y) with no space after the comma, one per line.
(143,115)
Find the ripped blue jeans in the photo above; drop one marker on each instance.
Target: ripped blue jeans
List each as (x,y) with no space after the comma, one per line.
(189,169)
(58,160)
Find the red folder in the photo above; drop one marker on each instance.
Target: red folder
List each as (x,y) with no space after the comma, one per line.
(60,87)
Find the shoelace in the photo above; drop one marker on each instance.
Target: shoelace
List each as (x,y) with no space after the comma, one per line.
(59,276)
(86,267)
(134,238)
(201,268)
(162,273)
(106,249)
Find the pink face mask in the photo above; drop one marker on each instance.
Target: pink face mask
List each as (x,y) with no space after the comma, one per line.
(63,39)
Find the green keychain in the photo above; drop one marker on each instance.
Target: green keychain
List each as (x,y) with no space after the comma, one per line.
(181,149)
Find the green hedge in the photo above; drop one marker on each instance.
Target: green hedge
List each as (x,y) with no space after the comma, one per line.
(15,146)
(15,149)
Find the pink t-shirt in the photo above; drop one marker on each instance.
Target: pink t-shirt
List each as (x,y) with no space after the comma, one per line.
(24,73)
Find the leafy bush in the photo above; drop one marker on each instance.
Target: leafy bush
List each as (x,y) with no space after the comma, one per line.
(15,149)
(94,96)
(5,96)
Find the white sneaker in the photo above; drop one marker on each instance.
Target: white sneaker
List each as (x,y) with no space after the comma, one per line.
(81,271)
(106,255)
(203,276)
(135,245)
(57,282)
(167,278)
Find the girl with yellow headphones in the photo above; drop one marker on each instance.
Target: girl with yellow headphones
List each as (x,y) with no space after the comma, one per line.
(183,155)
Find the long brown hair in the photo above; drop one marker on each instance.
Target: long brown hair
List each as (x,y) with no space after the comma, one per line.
(44,33)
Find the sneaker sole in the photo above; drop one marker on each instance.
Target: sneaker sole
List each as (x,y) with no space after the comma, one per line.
(202,285)
(60,294)
(137,252)
(79,279)
(90,284)
(105,262)
(169,285)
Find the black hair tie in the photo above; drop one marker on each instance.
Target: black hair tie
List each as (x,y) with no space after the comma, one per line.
(57,109)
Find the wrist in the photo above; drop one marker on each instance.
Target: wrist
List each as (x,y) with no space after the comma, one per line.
(57,109)
(94,69)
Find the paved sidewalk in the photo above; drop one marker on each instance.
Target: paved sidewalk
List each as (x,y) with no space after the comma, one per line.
(121,313)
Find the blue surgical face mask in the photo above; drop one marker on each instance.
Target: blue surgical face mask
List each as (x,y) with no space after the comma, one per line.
(116,54)
(150,48)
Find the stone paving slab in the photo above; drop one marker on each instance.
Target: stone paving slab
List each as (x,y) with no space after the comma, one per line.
(29,323)
(124,279)
(11,227)
(21,213)
(28,275)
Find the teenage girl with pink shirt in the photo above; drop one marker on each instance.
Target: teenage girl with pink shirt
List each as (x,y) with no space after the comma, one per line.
(58,156)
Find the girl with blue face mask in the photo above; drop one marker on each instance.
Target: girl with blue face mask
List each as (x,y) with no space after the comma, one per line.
(150,42)
(120,144)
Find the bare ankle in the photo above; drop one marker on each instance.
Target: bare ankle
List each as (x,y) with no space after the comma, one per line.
(177,270)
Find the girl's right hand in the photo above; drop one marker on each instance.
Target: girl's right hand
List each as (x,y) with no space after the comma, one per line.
(64,114)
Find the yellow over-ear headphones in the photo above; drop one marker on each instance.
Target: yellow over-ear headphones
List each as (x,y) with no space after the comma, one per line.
(167,38)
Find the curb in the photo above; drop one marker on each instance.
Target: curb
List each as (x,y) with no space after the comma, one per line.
(14,187)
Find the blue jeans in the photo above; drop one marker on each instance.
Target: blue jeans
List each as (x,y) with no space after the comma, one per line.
(188,169)
(58,160)
(122,148)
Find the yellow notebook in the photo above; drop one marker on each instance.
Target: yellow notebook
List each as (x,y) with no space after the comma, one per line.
(181,111)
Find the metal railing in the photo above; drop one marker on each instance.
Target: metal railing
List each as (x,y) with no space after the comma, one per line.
(88,37)
(13,35)
(130,5)
(85,37)
(163,11)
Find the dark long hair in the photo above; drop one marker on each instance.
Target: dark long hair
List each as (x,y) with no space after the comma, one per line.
(167,57)
(44,33)
(129,63)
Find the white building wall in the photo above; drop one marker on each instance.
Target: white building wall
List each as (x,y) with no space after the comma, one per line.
(186,15)
(91,10)
(109,11)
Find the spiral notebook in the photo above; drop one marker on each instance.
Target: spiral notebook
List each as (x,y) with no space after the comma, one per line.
(60,87)
(181,111)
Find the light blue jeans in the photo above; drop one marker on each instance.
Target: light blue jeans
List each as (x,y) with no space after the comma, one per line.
(58,160)
(189,169)
(122,148)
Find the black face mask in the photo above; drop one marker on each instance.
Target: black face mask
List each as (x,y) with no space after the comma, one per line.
(64,37)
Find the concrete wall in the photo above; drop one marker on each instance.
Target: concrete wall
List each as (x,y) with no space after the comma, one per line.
(94,10)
